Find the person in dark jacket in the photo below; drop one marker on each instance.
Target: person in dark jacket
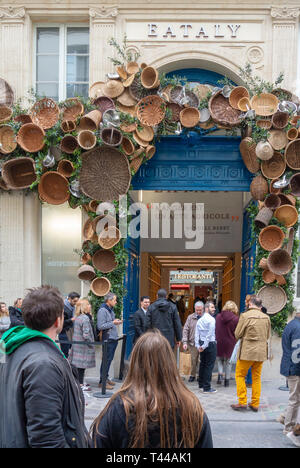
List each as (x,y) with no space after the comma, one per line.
(226,323)
(139,318)
(69,310)
(181,309)
(290,368)
(153,408)
(41,403)
(15,313)
(163,315)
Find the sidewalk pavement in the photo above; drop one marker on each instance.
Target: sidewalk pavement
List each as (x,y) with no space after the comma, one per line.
(230,429)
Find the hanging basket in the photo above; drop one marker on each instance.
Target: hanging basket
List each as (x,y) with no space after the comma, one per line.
(259,188)
(221,111)
(65,168)
(273,189)
(23,119)
(274,167)
(150,152)
(100,286)
(271,238)
(295,185)
(136,164)
(292,154)
(104,103)
(272,201)
(109,237)
(68,144)
(90,121)
(137,91)
(287,215)
(263,217)
(54,188)
(145,133)
(273,298)
(132,68)
(266,124)
(277,139)
(87,139)
(88,231)
(45,113)
(111,136)
(113,88)
(247,149)
(86,273)
(72,109)
(5,114)
(264,150)
(189,117)
(127,146)
(150,78)
(85,258)
(236,95)
(96,89)
(104,261)
(292,133)
(264,104)
(280,120)
(19,173)
(6,94)
(263,264)
(280,262)
(286,199)
(68,126)
(7,139)
(151,110)
(268,277)
(31,138)
(173,112)
(109,166)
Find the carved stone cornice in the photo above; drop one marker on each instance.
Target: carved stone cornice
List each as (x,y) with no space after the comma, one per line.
(285,14)
(12,14)
(103,14)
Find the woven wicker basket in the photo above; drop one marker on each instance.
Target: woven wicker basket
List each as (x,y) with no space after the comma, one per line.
(122,72)
(109,166)
(274,167)
(104,103)
(54,188)
(31,138)
(109,237)
(295,185)
(280,279)
(280,120)
(173,112)
(277,139)
(5,114)
(264,150)
(86,273)
(127,146)
(23,119)
(6,94)
(268,277)
(286,199)
(272,201)
(292,133)
(151,110)
(287,215)
(45,113)
(263,263)
(221,111)
(263,217)
(100,286)
(264,123)
(87,139)
(259,188)
(150,78)
(145,133)
(3,185)
(139,141)
(19,173)
(72,109)
(68,126)
(292,154)
(111,136)
(247,149)
(90,121)
(271,238)
(150,152)
(68,144)
(132,68)
(88,231)
(236,95)
(137,91)
(7,139)
(244,104)
(272,188)
(273,298)
(264,104)
(280,262)
(189,117)
(65,168)
(85,258)
(104,261)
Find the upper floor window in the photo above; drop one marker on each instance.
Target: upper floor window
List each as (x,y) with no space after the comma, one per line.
(62,61)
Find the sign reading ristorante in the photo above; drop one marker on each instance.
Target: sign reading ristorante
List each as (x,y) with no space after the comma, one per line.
(203,277)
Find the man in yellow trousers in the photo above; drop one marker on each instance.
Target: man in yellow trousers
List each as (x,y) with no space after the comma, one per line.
(254,331)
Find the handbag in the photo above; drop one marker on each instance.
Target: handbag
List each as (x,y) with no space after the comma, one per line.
(185,363)
(233,359)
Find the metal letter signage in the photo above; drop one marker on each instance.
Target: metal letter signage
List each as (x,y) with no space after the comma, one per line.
(193,31)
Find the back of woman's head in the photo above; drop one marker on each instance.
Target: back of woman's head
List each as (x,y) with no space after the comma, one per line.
(230,305)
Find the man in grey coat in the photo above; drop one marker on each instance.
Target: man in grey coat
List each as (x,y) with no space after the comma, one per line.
(106,326)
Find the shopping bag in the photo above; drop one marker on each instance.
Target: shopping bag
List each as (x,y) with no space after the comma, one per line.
(185,363)
(233,359)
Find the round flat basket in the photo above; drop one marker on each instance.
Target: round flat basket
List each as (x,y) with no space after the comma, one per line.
(151,110)
(236,94)
(31,138)
(221,111)
(103,103)
(96,89)
(259,188)
(247,149)
(104,261)
(45,113)
(277,139)
(274,167)
(145,133)
(6,94)
(264,104)
(189,117)
(54,188)
(109,237)
(105,174)
(280,262)
(295,185)
(7,139)
(86,273)
(5,114)
(287,215)
(19,173)
(137,91)
(292,154)
(271,238)
(273,298)
(100,286)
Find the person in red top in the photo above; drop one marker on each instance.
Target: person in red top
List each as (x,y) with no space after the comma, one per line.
(226,323)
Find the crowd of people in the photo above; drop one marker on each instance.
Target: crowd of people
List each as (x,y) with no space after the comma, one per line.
(153,408)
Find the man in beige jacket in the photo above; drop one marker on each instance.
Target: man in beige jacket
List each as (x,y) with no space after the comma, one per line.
(254,331)
(188,337)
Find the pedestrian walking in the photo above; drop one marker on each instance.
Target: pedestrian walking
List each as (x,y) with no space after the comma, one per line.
(163,315)
(107,329)
(181,309)
(188,337)
(226,322)
(69,310)
(139,318)
(254,331)
(15,313)
(205,342)
(42,405)
(4,318)
(153,408)
(82,356)
(290,368)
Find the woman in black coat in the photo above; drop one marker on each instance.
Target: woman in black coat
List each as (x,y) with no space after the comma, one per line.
(153,409)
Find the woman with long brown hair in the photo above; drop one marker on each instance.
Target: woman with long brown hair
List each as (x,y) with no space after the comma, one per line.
(153,408)
(4,318)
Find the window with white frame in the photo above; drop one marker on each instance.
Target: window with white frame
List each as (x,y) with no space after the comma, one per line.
(62,61)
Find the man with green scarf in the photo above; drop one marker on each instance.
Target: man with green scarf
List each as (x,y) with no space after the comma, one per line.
(41,403)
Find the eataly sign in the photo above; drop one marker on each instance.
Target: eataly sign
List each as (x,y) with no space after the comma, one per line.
(187,30)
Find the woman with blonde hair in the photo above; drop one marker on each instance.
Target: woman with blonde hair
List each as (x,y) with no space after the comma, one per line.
(153,408)
(82,356)
(4,318)
(226,323)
